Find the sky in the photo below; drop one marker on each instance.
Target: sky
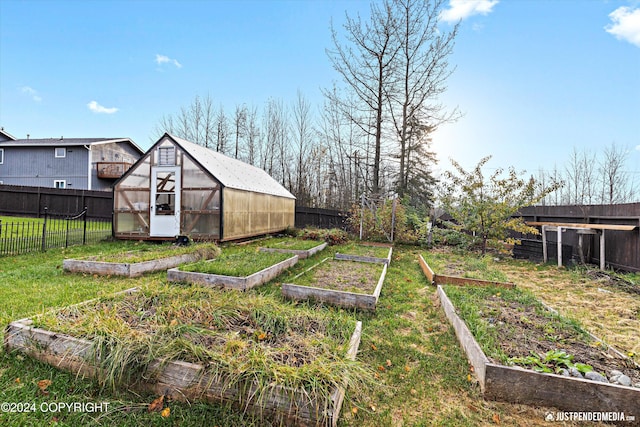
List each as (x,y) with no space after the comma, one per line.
(533,79)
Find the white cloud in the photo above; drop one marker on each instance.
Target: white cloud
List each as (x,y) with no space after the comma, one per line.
(626,24)
(163,59)
(31,92)
(638,147)
(99,109)
(463,9)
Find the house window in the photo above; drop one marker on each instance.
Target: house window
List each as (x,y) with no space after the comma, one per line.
(61,152)
(167,156)
(59,183)
(1,156)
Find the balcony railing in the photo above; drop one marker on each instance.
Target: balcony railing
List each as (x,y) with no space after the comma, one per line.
(112,170)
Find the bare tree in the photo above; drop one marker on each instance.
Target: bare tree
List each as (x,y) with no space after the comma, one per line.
(222,130)
(366,64)
(302,136)
(239,128)
(195,123)
(616,183)
(422,71)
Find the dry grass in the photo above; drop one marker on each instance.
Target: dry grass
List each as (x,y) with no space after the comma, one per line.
(609,313)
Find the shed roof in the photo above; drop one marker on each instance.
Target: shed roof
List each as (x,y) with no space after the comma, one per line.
(231,172)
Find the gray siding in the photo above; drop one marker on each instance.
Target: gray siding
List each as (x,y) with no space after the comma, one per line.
(112,152)
(38,166)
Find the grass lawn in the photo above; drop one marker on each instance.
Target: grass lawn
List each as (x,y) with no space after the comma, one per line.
(290,243)
(237,261)
(365,250)
(422,377)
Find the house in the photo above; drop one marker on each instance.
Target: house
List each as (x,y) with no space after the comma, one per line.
(179,188)
(76,163)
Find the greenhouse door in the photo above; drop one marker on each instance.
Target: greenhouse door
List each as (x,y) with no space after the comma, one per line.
(165,202)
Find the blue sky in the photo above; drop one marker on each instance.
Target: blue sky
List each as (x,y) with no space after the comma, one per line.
(534,78)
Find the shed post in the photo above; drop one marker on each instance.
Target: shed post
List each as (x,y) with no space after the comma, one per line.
(545,255)
(602,250)
(559,229)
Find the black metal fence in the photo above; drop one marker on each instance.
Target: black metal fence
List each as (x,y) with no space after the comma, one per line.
(50,231)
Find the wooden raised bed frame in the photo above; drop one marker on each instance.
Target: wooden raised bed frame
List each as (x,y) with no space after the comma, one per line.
(334,297)
(127,269)
(362,258)
(180,380)
(232,282)
(440,279)
(302,253)
(519,385)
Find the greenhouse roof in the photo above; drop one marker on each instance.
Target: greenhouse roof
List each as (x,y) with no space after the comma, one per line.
(231,172)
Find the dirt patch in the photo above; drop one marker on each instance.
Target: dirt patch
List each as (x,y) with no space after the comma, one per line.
(347,276)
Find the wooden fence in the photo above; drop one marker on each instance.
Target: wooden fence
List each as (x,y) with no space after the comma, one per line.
(622,248)
(25,201)
(31,201)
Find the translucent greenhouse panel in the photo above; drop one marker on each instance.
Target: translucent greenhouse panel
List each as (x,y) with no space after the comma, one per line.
(201,200)
(201,226)
(131,223)
(139,177)
(132,200)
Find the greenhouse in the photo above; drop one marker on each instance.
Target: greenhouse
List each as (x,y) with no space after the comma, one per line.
(179,188)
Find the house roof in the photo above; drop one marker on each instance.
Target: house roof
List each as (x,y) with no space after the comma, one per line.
(67,142)
(6,134)
(231,172)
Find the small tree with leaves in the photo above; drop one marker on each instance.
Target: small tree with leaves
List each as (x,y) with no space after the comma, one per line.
(485,207)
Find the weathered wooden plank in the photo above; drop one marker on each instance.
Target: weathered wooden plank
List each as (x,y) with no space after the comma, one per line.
(440,279)
(517,385)
(378,289)
(329,296)
(231,282)
(474,353)
(428,272)
(361,258)
(581,225)
(127,269)
(302,254)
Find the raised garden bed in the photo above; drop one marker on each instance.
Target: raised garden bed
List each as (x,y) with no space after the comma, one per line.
(240,270)
(302,248)
(135,263)
(347,284)
(378,254)
(193,343)
(457,272)
(519,332)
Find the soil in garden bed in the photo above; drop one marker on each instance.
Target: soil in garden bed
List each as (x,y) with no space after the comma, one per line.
(348,276)
(521,328)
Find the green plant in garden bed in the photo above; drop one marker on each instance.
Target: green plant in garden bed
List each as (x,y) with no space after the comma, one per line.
(289,243)
(237,262)
(364,250)
(255,338)
(145,251)
(550,362)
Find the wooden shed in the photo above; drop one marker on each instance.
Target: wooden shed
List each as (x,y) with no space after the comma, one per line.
(179,188)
